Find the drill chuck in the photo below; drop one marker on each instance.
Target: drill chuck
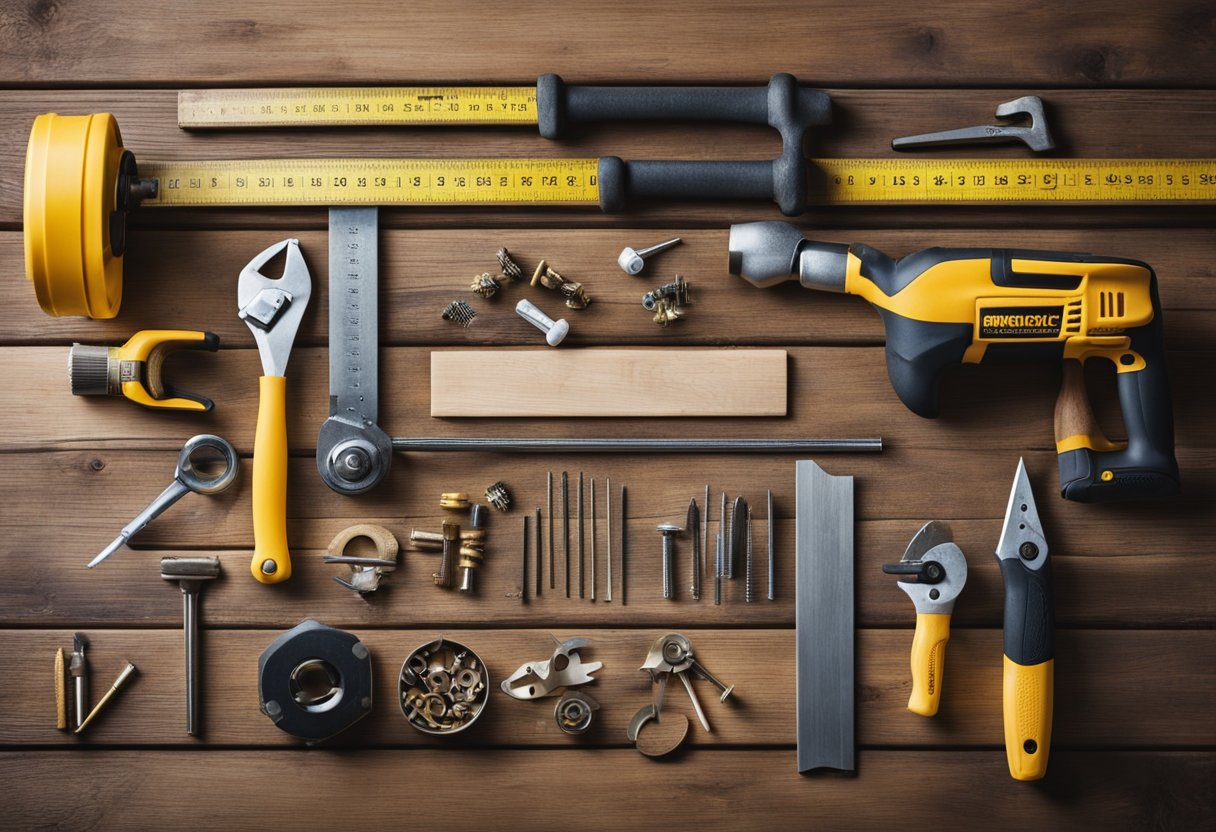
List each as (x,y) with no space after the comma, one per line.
(767,253)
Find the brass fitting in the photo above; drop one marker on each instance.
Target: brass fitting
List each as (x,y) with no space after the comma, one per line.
(454,500)
(574,294)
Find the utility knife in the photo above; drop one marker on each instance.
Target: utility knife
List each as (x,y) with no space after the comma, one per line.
(1029,633)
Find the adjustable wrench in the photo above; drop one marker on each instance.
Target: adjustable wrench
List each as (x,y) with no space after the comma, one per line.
(272,308)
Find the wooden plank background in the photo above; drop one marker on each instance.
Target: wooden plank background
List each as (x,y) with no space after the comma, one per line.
(1135,735)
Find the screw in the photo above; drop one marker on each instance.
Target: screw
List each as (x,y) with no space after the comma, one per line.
(668,530)
(460,312)
(484,285)
(555,331)
(631,261)
(508,266)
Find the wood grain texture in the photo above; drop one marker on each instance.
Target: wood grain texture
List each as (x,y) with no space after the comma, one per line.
(303,42)
(1135,738)
(602,383)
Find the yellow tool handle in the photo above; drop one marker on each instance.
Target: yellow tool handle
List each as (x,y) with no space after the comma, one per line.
(271,559)
(928,662)
(1028,707)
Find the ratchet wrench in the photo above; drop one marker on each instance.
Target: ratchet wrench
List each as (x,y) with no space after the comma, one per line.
(186,478)
(272,308)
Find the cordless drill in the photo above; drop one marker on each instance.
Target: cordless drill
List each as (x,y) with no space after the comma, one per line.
(946,306)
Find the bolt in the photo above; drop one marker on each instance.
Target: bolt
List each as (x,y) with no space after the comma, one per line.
(632,261)
(668,530)
(555,331)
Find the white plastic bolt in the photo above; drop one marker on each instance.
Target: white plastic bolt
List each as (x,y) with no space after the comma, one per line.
(631,261)
(555,331)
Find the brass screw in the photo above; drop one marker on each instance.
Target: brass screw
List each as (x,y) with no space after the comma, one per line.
(573,292)
(510,269)
(484,285)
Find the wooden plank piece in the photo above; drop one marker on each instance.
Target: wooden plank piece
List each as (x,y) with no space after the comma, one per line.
(608,382)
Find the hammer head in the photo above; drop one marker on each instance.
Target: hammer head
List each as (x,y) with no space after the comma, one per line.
(189,569)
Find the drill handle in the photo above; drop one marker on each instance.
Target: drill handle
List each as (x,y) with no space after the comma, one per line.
(1092,468)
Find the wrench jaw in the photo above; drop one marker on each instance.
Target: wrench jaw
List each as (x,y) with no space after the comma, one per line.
(271,307)
(353,458)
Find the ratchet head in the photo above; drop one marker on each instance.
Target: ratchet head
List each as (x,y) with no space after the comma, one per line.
(273,307)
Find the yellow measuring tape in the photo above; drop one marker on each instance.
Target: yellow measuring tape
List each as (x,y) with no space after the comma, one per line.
(303,182)
(355,107)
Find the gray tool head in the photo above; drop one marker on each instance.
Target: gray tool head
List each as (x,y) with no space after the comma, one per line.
(936,567)
(189,569)
(273,307)
(1036,136)
(772,252)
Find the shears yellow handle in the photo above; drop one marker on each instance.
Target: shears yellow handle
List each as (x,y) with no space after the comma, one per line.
(271,559)
(928,662)
(1028,691)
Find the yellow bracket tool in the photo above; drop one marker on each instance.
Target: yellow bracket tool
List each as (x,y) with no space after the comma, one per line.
(272,308)
(938,572)
(1029,661)
(81,183)
(134,369)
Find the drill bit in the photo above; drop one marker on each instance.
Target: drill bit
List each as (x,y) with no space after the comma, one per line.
(718,568)
(79,669)
(61,696)
(704,533)
(593,540)
(747,574)
(539,542)
(624,546)
(608,514)
(772,575)
(581,582)
(566,528)
(552,551)
(123,676)
(694,520)
(523,566)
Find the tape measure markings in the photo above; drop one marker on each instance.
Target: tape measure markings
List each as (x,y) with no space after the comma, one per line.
(332,182)
(843,181)
(356,106)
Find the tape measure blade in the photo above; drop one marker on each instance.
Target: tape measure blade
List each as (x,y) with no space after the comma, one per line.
(1022,181)
(355,107)
(337,182)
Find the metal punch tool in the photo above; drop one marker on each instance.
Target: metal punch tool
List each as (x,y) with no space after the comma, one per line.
(1036,136)
(186,478)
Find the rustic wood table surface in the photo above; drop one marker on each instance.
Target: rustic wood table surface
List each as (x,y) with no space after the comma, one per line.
(1134,745)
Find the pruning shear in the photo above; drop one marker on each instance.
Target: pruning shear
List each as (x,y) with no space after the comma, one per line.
(272,308)
(936,571)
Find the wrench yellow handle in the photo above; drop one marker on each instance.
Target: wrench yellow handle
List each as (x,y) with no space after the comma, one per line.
(271,559)
(1028,693)
(928,662)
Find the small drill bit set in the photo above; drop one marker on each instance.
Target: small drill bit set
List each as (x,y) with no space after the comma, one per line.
(732,541)
(591,514)
(77,668)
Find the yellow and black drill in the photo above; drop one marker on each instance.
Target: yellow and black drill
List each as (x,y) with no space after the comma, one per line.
(947,306)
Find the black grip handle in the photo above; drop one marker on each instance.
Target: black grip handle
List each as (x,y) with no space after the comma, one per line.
(1147,467)
(783,104)
(1030,630)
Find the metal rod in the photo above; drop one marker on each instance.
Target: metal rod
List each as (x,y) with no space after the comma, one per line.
(582,589)
(704,534)
(772,574)
(628,445)
(552,551)
(624,546)
(523,566)
(608,514)
(566,528)
(593,540)
(539,549)
(718,568)
(747,577)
